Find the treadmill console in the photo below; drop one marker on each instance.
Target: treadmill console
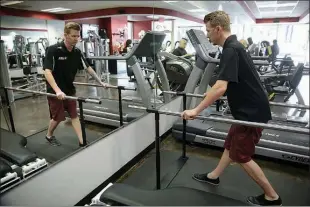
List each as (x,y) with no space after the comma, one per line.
(202,45)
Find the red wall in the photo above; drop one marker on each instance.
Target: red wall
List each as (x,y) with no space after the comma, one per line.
(141,25)
(118,23)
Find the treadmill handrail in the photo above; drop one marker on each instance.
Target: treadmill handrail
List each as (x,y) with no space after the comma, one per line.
(85,100)
(297,106)
(298,130)
(116,57)
(174,57)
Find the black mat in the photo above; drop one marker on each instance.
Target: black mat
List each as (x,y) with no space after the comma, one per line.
(66,136)
(235,183)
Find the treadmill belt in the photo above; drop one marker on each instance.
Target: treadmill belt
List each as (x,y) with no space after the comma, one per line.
(234,175)
(65,135)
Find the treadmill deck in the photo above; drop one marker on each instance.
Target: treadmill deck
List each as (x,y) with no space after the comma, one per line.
(145,178)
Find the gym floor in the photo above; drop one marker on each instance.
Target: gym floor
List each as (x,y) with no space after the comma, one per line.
(31,117)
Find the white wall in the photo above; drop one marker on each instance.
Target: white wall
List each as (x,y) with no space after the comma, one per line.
(55,30)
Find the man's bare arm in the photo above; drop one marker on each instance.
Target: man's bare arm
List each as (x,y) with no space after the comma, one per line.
(217,91)
(91,71)
(93,74)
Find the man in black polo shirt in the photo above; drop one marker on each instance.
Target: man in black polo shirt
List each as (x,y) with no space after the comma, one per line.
(61,64)
(247,101)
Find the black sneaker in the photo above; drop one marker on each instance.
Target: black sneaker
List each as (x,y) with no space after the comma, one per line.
(262,201)
(83,145)
(204,178)
(53,141)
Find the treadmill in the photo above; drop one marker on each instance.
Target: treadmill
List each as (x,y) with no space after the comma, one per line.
(108,112)
(275,144)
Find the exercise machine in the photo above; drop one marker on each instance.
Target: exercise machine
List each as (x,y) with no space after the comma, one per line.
(96,45)
(108,112)
(277,144)
(27,62)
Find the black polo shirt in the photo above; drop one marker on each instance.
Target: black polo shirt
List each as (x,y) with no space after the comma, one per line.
(246,95)
(64,65)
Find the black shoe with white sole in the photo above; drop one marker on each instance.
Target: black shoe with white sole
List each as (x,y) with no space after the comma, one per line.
(52,141)
(262,201)
(204,178)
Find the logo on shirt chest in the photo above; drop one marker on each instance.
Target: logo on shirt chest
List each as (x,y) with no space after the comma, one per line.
(62,58)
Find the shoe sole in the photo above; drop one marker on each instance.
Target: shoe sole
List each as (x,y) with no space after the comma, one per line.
(252,204)
(206,182)
(55,145)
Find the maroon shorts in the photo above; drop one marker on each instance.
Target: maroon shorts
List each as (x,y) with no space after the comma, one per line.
(58,107)
(241,141)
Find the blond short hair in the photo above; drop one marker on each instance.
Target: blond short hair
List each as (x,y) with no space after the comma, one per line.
(218,18)
(71,25)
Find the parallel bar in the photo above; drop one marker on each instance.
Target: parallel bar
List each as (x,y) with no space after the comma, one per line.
(97,85)
(297,106)
(7,100)
(86,100)
(184,128)
(157,146)
(82,122)
(120,106)
(297,130)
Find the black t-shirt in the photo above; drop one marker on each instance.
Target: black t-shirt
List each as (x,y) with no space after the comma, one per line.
(246,96)
(179,51)
(64,65)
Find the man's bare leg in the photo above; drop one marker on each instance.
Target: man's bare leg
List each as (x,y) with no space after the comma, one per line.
(52,126)
(77,127)
(222,165)
(256,173)
(213,177)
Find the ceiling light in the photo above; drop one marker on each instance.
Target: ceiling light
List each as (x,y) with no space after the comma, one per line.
(153,17)
(275,5)
(196,10)
(170,1)
(220,7)
(58,9)
(10,3)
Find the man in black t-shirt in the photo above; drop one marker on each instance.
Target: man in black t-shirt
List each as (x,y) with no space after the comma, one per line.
(61,64)
(180,51)
(247,101)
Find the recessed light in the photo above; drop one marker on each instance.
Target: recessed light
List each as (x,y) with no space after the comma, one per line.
(11,3)
(58,9)
(196,10)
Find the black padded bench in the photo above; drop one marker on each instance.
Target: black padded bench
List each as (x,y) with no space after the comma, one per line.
(122,194)
(13,149)
(9,176)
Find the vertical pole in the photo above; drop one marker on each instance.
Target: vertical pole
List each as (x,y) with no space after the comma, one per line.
(82,122)
(184,128)
(157,142)
(9,109)
(120,105)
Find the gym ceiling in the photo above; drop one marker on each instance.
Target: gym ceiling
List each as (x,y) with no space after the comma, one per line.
(241,12)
